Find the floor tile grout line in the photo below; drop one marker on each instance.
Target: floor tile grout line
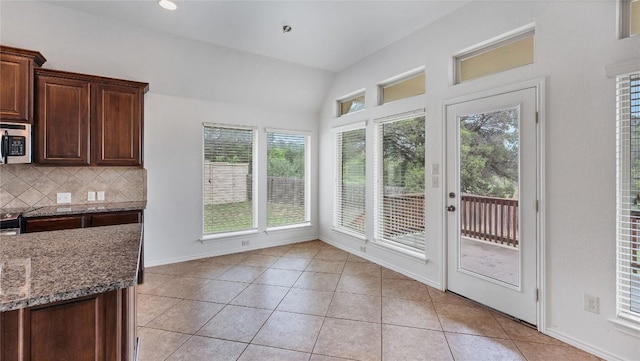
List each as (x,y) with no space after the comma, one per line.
(341,275)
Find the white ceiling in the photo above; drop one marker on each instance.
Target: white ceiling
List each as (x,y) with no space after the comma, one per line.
(329,35)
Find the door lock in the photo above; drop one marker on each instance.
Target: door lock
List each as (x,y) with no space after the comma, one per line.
(451,208)
(452,195)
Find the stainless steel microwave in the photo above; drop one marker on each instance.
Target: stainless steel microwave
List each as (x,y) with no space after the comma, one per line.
(16,143)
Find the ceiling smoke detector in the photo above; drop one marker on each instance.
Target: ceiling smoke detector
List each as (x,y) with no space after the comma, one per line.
(286,28)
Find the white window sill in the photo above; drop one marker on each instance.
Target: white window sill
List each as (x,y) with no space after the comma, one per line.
(217,236)
(400,250)
(349,233)
(629,327)
(290,227)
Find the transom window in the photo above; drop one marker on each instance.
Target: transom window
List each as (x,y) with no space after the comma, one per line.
(351,104)
(503,54)
(402,89)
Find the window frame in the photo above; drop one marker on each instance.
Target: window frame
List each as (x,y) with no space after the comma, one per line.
(624,16)
(490,45)
(307,179)
(399,80)
(351,96)
(254,185)
(626,260)
(338,183)
(379,187)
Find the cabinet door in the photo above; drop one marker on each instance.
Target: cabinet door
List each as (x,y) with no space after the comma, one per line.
(97,327)
(62,121)
(53,223)
(14,87)
(116,136)
(110,219)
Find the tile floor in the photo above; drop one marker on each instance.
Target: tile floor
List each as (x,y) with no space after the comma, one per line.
(313,302)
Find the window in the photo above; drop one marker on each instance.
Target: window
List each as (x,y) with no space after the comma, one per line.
(228,182)
(501,55)
(628,193)
(350,213)
(404,88)
(351,104)
(400,193)
(629,12)
(287,179)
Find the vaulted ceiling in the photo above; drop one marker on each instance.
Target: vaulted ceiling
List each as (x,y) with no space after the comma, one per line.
(329,35)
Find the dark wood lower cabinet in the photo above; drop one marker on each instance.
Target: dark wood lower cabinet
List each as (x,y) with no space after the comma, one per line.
(54,223)
(101,327)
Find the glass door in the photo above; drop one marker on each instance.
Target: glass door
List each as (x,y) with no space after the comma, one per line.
(491,201)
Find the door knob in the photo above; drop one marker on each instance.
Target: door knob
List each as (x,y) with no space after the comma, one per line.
(451,208)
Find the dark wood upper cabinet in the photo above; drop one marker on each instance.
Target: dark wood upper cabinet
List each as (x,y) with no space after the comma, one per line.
(88,120)
(16,83)
(62,121)
(117,125)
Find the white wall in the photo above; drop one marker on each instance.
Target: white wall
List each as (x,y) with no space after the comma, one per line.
(190,82)
(574,42)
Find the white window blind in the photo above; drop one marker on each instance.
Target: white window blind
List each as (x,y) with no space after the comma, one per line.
(350,213)
(628,194)
(287,179)
(228,179)
(399,168)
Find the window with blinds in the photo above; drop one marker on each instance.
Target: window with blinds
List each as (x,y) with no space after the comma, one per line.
(228,183)
(629,18)
(351,104)
(405,88)
(287,179)
(350,213)
(399,168)
(628,194)
(509,53)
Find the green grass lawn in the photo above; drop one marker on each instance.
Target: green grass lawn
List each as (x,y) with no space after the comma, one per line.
(231,217)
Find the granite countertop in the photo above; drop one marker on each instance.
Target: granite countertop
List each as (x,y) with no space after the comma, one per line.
(44,267)
(62,209)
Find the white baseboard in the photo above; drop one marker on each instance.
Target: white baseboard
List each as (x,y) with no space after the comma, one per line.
(382,263)
(225,252)
(583,346)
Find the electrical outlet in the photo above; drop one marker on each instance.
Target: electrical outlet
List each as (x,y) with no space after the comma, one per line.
(63,198)
(245,243)
(91,196)
(591,303)
(101,195)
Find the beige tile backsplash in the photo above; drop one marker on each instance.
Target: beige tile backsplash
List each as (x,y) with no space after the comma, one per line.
(26,185)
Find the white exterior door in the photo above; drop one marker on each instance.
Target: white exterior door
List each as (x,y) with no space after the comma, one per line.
(491,200)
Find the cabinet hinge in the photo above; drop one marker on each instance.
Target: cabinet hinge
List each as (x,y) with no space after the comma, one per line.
(537,206)
(536,117)
(537,295)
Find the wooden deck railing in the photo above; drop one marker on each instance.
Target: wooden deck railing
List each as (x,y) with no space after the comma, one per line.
(490,219)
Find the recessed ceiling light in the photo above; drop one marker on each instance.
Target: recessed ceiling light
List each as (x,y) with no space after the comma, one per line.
(167,4)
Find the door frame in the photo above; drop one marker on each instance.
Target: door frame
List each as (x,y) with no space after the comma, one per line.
(539,85)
